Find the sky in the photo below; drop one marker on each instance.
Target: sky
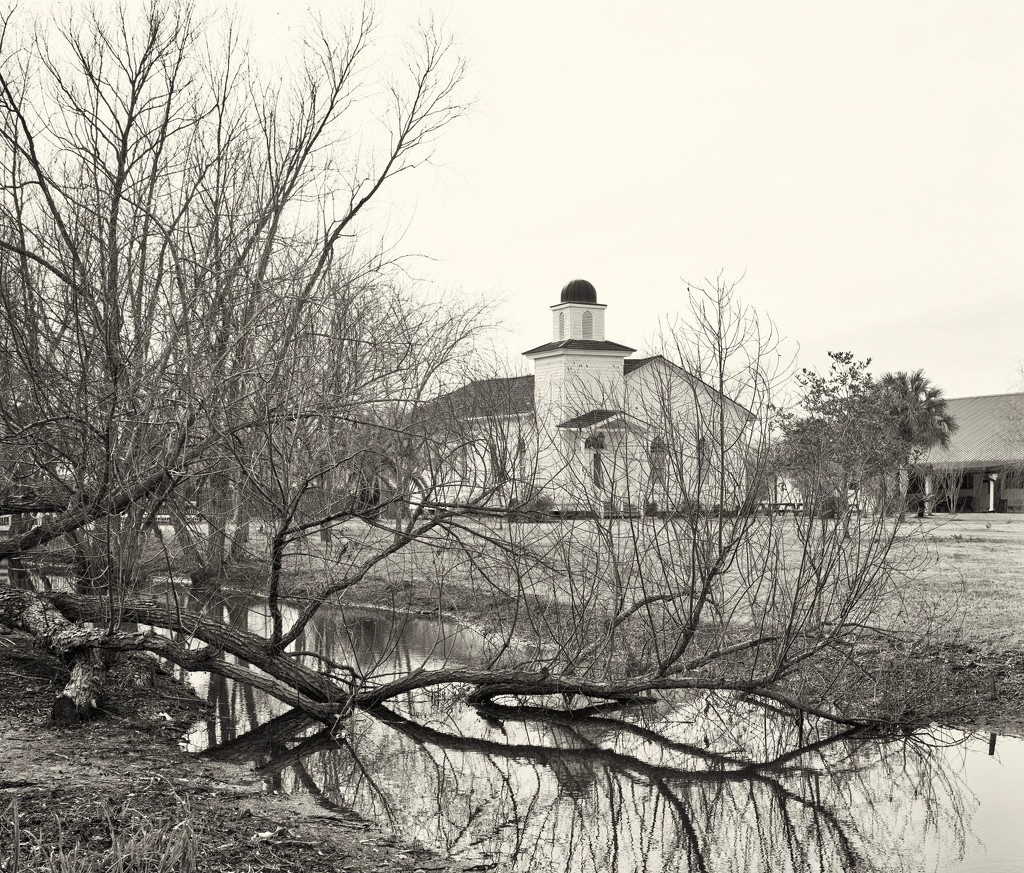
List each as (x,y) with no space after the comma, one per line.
(859,167)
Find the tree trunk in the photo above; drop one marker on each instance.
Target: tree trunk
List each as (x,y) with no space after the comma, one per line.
(79,699)
(30,612)
(218,506)
(240,538)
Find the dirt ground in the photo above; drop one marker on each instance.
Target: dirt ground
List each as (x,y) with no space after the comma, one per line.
(124,772)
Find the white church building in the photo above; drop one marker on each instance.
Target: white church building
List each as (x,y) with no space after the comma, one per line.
(592,430)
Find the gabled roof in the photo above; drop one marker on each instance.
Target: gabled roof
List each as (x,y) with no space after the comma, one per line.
(508,396)
(990,432)
(581,345)
(632,364)
(514,395)
(589,419)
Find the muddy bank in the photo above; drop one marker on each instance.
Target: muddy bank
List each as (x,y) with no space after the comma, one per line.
(124,773)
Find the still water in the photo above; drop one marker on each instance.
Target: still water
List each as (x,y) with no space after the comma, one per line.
(697,783)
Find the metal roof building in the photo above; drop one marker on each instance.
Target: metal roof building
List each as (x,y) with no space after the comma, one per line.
(983,465)
(990,433)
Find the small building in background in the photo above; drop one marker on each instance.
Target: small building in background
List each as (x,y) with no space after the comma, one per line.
(982,468)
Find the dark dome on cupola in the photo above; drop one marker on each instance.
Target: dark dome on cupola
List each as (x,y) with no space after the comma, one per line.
(579,291)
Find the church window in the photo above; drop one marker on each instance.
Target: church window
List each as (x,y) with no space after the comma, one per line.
(596,444)
(499,463)
(658,453)
(588,325)
(561,325)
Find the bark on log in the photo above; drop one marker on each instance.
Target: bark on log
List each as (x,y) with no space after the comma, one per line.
(80,698)
(86,651)
(300,680)
(74,645)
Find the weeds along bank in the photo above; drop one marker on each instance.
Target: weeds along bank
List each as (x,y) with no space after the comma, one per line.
(118,793)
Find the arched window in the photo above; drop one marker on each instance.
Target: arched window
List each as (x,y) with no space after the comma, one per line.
(561,325)
(499,462)
(658,453)
(588,325)
(596,443)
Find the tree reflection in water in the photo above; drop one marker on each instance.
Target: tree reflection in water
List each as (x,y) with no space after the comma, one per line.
(699,782)
(627,791)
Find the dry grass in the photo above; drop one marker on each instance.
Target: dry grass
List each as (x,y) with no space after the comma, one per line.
(962,582)
(133,843)
(971,579)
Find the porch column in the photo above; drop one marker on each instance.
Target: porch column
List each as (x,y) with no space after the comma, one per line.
(929,493)
(992,479)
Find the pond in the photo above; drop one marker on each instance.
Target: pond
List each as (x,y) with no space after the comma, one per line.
(696,783)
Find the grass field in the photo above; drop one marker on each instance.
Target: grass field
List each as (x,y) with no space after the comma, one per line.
(974,570)
(965,573)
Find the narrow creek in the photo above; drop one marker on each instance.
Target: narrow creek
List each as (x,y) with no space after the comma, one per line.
(696,783)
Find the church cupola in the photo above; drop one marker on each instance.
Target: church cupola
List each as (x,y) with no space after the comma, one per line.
(579,291)
(579,370)
(578,315)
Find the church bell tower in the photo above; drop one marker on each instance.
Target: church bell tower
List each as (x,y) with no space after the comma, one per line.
(579,370)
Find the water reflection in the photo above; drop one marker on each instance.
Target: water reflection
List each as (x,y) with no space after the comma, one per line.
(699,783)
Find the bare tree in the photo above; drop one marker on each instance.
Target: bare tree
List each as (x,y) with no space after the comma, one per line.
(196,323)
(711,593)
(184,256)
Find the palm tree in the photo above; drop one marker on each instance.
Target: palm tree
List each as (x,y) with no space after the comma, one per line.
(920,414)
(918,409)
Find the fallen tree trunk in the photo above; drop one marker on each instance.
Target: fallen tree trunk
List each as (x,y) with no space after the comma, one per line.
(87,653)
(294,679)
(79,699)
(282,674)
(74,645)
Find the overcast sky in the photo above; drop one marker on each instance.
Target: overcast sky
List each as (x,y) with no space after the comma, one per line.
(861,165)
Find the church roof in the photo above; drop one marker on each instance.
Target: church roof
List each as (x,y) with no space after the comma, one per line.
(589,419)
(514,395)
(582,345)
(990,432)
(508,396)
(636,363)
